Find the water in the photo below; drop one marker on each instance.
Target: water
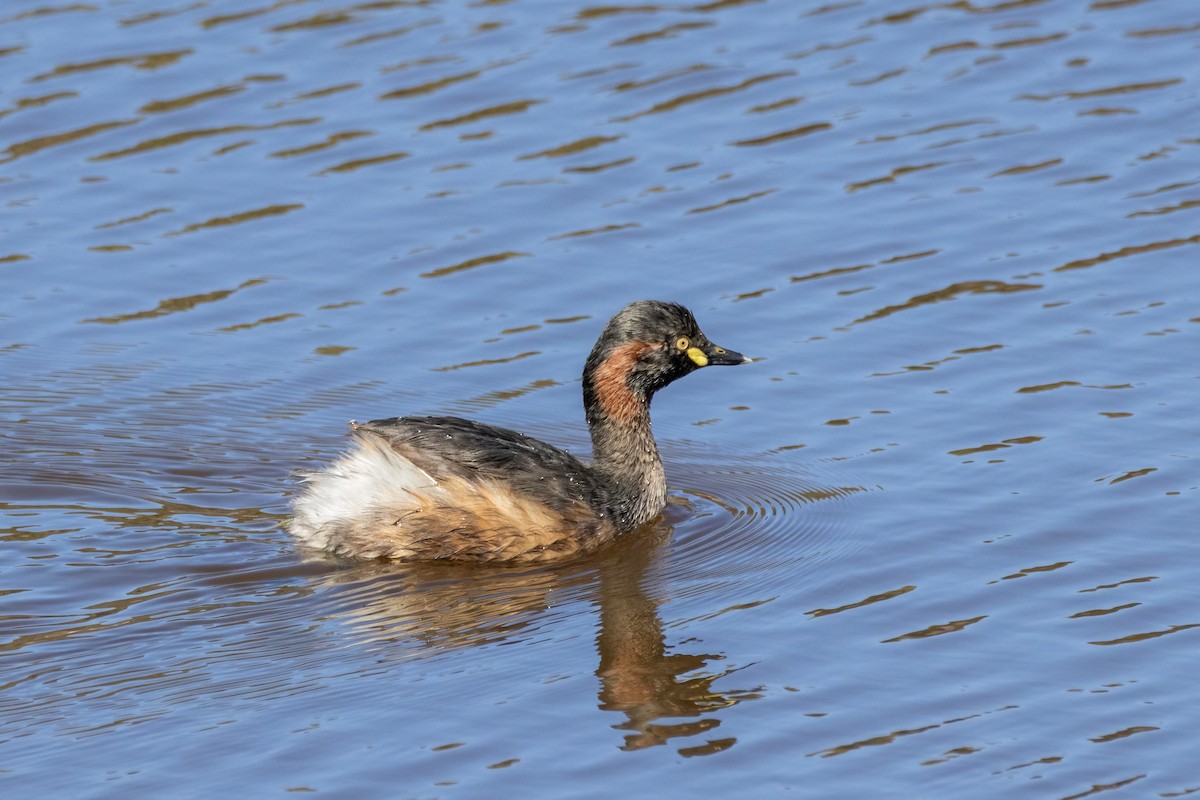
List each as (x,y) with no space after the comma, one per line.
(939,541)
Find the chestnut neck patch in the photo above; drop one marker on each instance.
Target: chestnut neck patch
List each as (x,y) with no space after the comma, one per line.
(617,401)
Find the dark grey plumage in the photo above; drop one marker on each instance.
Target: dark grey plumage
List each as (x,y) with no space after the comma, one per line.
(445,447)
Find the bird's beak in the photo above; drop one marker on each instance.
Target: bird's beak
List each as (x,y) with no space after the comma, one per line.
(711,355)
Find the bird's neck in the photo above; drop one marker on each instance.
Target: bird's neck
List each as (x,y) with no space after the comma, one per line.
(623,448)
(626,455)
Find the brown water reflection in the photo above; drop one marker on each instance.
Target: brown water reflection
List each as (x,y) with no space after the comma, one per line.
(642,676)
(663,690)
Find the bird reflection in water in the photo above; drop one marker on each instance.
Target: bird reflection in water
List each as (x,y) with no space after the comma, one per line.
(440,607)
(640,676)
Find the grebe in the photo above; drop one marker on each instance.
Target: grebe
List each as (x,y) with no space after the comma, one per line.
(425,488)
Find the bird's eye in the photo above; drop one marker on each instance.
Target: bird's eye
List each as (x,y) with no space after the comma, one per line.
(683,343)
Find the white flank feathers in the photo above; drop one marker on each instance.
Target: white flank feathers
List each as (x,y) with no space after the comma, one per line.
(372,476)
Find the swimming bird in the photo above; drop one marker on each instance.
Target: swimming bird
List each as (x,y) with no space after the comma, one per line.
(428,488)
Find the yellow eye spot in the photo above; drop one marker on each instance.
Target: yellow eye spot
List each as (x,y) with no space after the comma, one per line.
(683,343)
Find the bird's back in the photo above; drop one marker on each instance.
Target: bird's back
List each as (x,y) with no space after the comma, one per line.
(445,487)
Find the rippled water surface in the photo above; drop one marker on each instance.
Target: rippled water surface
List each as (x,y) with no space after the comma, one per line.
(940,540)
